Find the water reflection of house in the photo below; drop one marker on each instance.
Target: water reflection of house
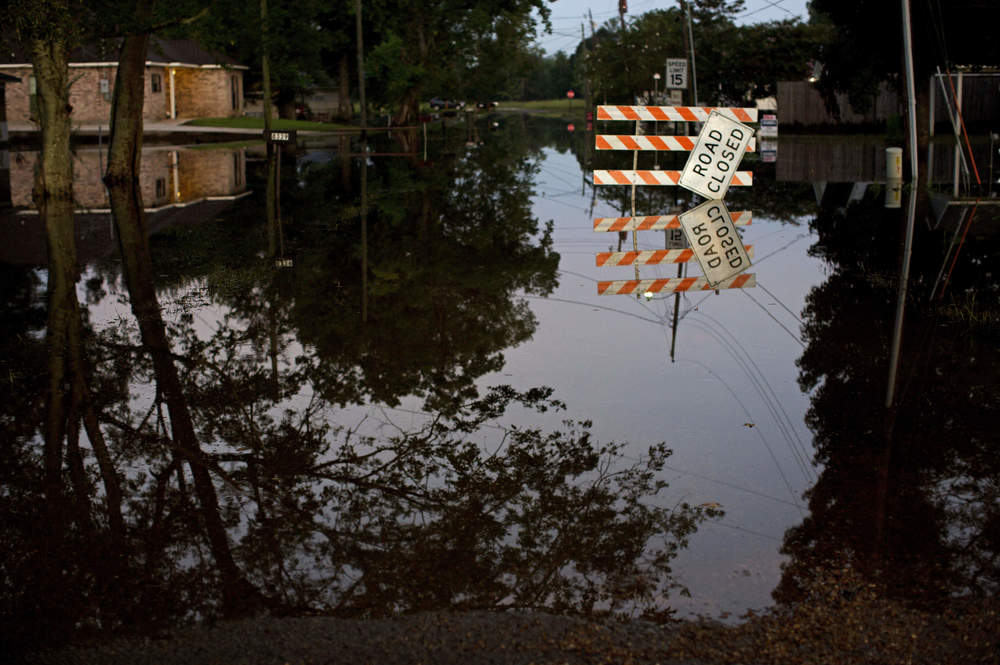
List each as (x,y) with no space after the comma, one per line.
(179,186)
(169,176)
(182,81)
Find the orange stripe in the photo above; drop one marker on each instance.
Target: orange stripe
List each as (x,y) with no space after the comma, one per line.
(740,281)
(741,114)
(657,112)
(687,143)
(629,142)
(602,258)
(686,113)
(686,283)
(629,257)
(657,256)
(619,177)
(629,286)
(658,143)
(684,256)
(673,175)
(629,112)
(602,114)
(602,287)
(648,177)
(602,144)
(658,285)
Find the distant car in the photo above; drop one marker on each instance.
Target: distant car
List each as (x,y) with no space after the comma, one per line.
(438,104)
(487,105)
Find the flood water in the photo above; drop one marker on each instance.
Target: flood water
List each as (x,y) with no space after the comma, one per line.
(376,415)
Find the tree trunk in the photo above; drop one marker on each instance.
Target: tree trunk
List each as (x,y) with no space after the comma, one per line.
(408,107)
(124,157)
(344,107)
(52,590)
(53,194)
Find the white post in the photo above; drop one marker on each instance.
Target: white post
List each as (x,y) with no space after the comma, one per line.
(958,141)
(173,98)
(904,272)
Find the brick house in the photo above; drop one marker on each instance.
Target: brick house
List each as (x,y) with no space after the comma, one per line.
(183,80)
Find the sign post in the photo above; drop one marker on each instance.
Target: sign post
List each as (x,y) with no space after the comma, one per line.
(569,96)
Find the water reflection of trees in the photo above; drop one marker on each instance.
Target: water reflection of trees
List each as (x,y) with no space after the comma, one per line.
(318,514)
(911,497)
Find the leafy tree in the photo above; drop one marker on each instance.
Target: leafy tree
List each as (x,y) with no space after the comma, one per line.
(447,49)
(298,42)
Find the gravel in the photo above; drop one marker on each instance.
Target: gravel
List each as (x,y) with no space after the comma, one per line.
(438,638)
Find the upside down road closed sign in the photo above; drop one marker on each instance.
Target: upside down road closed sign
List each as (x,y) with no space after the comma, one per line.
(714,159)
(712,236)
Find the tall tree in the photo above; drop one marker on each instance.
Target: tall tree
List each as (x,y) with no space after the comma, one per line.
(122,180)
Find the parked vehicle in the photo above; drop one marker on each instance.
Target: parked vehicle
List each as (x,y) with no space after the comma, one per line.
(438,104)
(487,105)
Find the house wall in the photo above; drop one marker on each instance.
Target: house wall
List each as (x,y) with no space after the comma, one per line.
(208,92)
(211,173)
(199,92)
(17,96)
(200,173)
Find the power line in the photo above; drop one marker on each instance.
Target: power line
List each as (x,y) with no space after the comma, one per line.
(775,4)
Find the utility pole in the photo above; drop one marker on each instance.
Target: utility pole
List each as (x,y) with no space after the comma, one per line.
(622,8)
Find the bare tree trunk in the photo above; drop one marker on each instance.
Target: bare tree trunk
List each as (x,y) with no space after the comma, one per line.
(53,592)
(53,194)
(344,107)
(124,157)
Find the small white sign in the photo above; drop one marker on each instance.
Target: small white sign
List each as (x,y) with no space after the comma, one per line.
(768,150)
(715,242)
(676,97)
(677,73)
(676,239)
(713,162)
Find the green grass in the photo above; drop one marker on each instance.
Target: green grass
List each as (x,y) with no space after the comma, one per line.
(553,108)
(226,145)
(276,123)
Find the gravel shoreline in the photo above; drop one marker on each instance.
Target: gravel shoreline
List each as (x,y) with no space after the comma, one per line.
(439,638)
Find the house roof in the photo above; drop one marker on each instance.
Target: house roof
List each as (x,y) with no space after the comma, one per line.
(179,52)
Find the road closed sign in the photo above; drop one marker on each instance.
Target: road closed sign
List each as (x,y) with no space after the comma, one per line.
(712,237)
(712,164)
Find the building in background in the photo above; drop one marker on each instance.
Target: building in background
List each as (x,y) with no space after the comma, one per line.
(183,80)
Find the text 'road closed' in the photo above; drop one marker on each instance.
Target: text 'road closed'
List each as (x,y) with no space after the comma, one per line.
(713,162)
(712,236)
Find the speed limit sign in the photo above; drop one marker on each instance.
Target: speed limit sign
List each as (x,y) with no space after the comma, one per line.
(677,73)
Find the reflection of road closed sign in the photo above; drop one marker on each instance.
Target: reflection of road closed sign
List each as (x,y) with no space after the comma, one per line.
(716,244)
(713,162)
(677,73)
